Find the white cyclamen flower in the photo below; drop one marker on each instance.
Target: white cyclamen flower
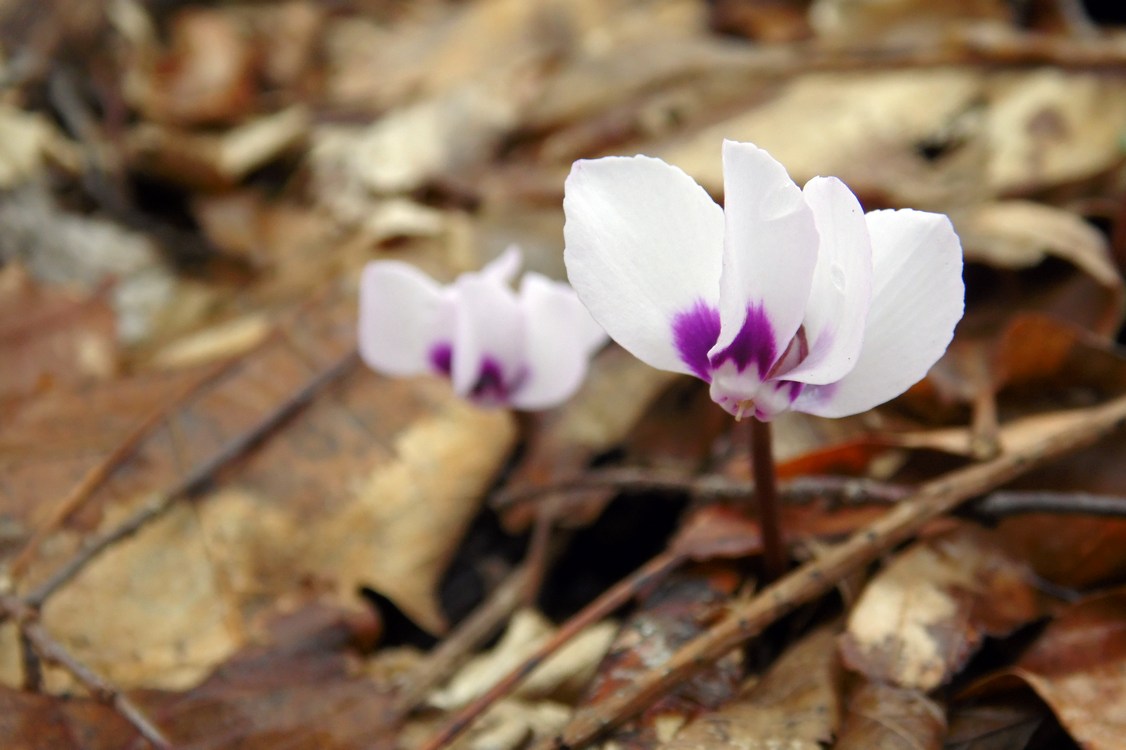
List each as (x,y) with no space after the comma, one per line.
(786,298)
(528,350)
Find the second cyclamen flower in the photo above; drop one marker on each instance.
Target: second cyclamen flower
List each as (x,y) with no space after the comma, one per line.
(786,298)
(528,350)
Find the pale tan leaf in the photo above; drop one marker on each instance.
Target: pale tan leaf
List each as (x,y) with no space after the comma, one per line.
(922,617)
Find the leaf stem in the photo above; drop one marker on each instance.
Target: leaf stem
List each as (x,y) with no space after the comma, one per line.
(774,555)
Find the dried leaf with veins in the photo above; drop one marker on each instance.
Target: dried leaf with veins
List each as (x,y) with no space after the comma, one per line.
(922,617)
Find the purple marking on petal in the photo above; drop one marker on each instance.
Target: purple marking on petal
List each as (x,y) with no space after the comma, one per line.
(754,342)
(492,388)
(441,358)
(695,332)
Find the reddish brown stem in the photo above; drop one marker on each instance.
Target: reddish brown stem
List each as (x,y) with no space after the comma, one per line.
(766,495)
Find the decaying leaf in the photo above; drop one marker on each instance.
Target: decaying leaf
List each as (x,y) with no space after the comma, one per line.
(883,717)
(1078,667)
(370,486)
(921,618)
(796,705)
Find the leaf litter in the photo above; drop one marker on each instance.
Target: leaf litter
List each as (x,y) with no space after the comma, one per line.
(211,520)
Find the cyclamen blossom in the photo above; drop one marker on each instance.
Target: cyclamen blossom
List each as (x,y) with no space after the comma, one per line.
(529,350)
(786,298)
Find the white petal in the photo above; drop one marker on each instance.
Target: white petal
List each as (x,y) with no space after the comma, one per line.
(561,336)
(842,284)
(402,315)
(489,331)
(504,267)
(917,299)
(644,244)
(770,248)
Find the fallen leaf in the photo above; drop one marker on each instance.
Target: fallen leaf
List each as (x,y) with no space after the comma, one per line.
(1020,234)
(796,705)
(206,161)
(884,717)
(205,76)
(1078,667)
(51,337)
(372,485)
(920,619)
(681,607)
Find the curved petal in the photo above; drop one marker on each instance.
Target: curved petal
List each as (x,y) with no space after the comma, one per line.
(770,248)
(644,245)
(402,311)
(503,268)
(842,284)
(917,299)
(561,336)
(488,345)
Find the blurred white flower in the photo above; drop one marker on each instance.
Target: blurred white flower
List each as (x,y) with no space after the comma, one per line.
(528,350)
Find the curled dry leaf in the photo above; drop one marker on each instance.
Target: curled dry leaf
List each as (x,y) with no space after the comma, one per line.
(1078,667)
(796,705)
(1020,234)
(922,617)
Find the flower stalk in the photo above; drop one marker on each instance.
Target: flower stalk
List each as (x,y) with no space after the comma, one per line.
(774,557)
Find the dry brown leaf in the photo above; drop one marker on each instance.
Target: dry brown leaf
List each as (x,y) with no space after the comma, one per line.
(1051,127)
(883,717)
(206,161)
(51,338)
(372,485)
(1020,234)
(205,76)
(862,128)
(921,618)
(796,705)
(903,22)
(1078,667)
(59,246)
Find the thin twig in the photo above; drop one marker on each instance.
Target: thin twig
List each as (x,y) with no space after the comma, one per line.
(1013,502)
(193,482)
(774,556)
(818,576)
(444,660)
(625,479)
(602,607)
(53,652)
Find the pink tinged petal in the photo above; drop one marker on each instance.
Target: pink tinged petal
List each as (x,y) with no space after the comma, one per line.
(403,315)
(842,284)
(917,299)
(769,252)
(488,342)
(644,244)
(561,337)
